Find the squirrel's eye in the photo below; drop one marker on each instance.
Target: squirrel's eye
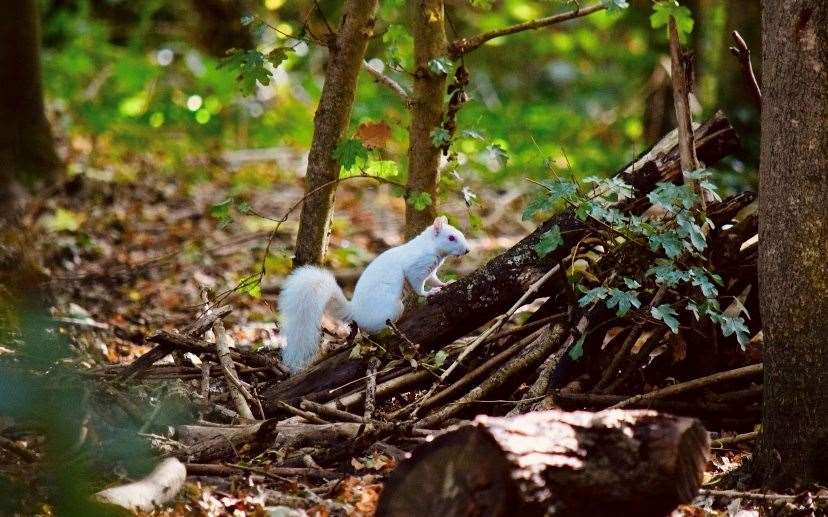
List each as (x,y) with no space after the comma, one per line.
(452,238)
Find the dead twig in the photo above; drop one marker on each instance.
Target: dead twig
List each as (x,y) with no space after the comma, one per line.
(488,332)
(733,440)
(742,53)
(734,494)
(307,415)
(330,412)
(391,84)
(695,384)
(19,451)
(237,392)
(681,91)
(371,388)
(535,352)
(630,340)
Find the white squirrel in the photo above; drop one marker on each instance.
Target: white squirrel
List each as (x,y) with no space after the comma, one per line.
(310,292)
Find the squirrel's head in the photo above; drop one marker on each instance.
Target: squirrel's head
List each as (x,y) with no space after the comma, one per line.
(448,240)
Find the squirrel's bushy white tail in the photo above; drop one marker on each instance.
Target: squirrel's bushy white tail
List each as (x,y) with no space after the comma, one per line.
(306,295)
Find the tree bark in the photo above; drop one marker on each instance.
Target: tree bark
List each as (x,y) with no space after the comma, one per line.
(793,242)
(427,107)
(347,51)
(552,462)
(27,153)
(472,301)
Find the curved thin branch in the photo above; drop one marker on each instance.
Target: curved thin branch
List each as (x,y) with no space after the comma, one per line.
(465,45)
(393,85)
(742,53)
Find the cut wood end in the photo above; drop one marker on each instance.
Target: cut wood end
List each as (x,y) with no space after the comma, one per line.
(578,463)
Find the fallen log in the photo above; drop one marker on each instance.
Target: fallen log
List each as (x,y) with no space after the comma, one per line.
(608,463)
(465,305)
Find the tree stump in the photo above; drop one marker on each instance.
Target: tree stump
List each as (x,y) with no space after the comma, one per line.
(613,462)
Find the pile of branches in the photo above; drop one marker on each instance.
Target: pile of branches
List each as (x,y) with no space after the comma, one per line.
(574,316)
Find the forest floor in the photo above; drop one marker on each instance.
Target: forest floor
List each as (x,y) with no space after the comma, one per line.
(126,258)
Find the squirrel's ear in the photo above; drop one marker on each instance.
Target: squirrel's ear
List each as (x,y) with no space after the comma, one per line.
(439,224)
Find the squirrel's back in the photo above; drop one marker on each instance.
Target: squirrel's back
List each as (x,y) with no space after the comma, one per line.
(378,293)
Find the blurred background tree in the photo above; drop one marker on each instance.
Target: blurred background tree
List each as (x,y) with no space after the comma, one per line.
(27,151)
(588,95)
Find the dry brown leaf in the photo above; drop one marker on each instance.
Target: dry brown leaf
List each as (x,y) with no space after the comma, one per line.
(374,134)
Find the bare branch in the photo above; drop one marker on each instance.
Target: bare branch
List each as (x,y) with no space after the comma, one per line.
(233,385)
(465,45)
(383,79)
(742,53)
(695,384)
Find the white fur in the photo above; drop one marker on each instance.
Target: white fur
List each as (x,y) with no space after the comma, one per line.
(310,291)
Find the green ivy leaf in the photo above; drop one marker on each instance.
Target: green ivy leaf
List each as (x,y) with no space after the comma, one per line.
(559,188)
(440,358)
(498,153)
(540,203)
(616,186)
(244,208)
(631,283)
(611,216)
(577,350)
(585,209)
(348,151)
(669,242)
(549,241)
(670,196)
(700,279)
(440,136)
(708,307)
(221,211)
(711,188)
(278,55)
(596,293)
(667,314)
(735,325)
(250,65)
(440,65)
(689,229)
(698,174)
(624,300)
(668,275)
(663,9)
(615,5)
(420,200)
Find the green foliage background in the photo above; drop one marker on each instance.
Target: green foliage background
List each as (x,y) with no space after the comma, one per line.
(138,77)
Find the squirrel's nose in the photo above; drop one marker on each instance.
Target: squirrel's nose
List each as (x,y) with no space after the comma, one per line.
(466,252)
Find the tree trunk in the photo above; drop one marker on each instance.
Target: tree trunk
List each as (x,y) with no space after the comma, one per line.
(27,153)
(793,242)
(427,108)
(347,51)
(608,463)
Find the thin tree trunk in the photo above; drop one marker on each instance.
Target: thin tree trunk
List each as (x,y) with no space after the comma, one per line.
(427,109)
(793,242)
(27,153)
(347,51)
